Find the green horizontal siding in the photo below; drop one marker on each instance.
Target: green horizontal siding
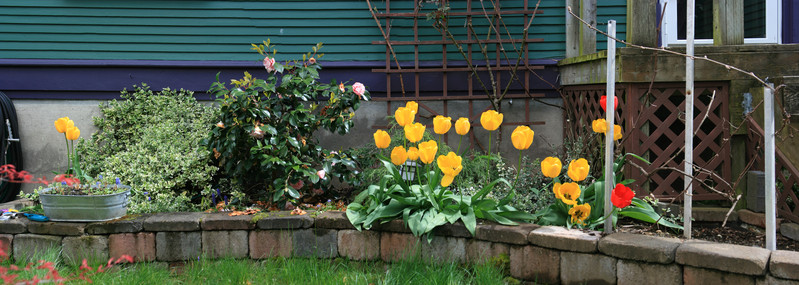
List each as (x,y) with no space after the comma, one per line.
(223,30)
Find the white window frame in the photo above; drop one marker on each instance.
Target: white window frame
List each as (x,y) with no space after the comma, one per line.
(773,26)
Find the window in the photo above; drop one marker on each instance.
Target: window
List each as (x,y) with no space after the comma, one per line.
(762,20)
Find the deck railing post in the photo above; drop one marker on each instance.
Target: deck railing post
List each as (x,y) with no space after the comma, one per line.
(610,115)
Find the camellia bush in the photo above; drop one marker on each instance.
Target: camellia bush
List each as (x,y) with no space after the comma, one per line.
(264,136)
(426,200)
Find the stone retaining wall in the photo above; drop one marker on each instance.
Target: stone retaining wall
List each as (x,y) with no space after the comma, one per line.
(539,254)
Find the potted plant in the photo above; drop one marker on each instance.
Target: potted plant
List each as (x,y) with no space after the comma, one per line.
(74,196)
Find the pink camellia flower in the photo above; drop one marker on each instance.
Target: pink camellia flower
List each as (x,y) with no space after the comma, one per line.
(321,173)
(359,89)
(269,64)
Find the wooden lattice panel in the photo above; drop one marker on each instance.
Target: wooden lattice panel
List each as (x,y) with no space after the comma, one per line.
(787,175)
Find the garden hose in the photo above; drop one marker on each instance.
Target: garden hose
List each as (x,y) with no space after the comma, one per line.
(9,146)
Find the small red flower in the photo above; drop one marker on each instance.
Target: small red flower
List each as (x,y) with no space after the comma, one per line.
(603,102)
(622,196)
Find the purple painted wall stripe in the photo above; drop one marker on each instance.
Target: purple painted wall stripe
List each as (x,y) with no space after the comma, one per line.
(790,22)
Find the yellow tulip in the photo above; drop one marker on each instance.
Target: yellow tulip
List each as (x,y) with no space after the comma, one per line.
(451,166)
(398,155)
(551,167)
(491,120)
(522,137)
(413,106)
(578,169)
(556,190)
(414,132)
(462,126)
(427,151)
(62,124)
(616,132)
(600,126)
(413,153)
(382,139)
(579,213)
(73,133)
(569,192)
(441,124)
(404,116)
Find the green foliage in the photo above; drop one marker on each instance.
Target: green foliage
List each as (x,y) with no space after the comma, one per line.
(264,141)
(426,206)
(151,141)
(531,195)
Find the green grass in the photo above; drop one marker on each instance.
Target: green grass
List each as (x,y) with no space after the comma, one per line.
(287,271)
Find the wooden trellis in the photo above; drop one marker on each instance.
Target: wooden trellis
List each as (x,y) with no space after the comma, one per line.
(787,174)
(654,126)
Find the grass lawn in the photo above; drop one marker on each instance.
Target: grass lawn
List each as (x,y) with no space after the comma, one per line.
(284,271)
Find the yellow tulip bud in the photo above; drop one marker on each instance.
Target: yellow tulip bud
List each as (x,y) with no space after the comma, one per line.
(382,139)
(62,124)
(414,132)
(413,153)
(398,155)
(413,106)
(600,126)
(491,120)
(441,124)
(616,132)
(73,133)
(551,167)
(462,126)
(404,116)
(522,137)
(427,151)
(578,169)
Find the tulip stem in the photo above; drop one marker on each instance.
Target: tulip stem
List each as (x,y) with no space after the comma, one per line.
(518,171)
(66,141)
(459,145)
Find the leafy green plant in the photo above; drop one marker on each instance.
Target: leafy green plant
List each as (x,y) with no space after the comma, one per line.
(264,139)
(151,141)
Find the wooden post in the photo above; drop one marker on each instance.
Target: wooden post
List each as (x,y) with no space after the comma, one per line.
(770,167)
(728,22)
(642,22)
(689,117)
(572,30)
(587,35)
(610,116)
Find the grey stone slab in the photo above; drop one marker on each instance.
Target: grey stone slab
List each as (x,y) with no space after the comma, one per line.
(92,248)
(126,225)
(225,244)
(713,214)
(536,264)
(452,230)
(395,226)
(584,268)
(355,245)
(333,220)
(15,226)
(784,264)
(771,280)
(505,234)
(222,221)
(285,221)
(700,276)
(564,239)
(57,228)
(478,251)
(28,245)
(315,242)
(173,222)
(637,273)
(790,230)
(444,249)
(725,257)
(640,247)
(178,246)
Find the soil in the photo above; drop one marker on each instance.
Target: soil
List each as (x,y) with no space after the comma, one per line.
(732,233)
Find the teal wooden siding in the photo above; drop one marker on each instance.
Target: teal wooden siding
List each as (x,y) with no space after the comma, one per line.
(223,30)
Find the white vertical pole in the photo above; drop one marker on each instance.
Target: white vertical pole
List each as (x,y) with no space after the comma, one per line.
(610,115)
(689,117)
(771,204)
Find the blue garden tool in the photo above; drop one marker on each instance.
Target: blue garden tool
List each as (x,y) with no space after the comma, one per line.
(36,217)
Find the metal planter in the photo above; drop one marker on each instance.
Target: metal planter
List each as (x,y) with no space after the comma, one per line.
(85,208)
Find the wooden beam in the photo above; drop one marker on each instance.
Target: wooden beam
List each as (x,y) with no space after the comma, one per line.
(572,30)
(642,22)
(587,35)
(728,22)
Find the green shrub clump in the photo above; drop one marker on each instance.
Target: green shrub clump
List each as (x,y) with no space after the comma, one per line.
(151,141)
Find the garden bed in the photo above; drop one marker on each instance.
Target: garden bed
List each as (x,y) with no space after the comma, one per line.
(541,254)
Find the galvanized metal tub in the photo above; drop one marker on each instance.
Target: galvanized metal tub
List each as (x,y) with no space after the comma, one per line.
(85,208)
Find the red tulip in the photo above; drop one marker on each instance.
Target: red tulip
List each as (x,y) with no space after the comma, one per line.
(603,102)
(622,196)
